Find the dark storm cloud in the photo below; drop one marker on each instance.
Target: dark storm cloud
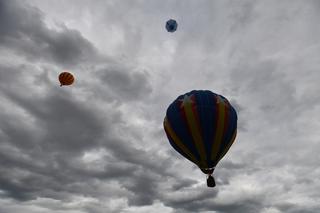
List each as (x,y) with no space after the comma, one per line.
(63,127)
(48,151)
(291,207)
(24,31)
(190,200)
(144,188)
(86,149)
(68,117)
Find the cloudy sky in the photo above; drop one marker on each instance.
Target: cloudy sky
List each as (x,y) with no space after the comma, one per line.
(99,145)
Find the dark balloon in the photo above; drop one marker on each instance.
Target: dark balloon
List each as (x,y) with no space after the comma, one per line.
(171,25)
(201,126)
(211,182)
(66,78)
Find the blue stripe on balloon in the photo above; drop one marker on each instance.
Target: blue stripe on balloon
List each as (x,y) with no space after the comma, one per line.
(179,126)
(173,144)
(206,111)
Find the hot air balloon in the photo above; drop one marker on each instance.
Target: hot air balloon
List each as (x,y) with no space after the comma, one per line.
(66,78)
(171,25)
(201,126)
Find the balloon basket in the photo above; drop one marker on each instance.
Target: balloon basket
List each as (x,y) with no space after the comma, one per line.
(210,181)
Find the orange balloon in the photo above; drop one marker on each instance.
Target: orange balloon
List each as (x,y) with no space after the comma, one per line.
(66,78)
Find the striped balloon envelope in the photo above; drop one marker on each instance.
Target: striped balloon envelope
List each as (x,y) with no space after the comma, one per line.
(66,78)
(201,126)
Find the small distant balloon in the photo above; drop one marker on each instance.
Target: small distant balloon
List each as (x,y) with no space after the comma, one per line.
(171,25)
(66,78)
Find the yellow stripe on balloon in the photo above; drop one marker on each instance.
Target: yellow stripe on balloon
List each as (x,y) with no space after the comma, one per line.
(229,145)
(178,142)
(219,130)
(196,135)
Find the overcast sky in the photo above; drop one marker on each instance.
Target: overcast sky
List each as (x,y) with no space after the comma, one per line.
(99,146)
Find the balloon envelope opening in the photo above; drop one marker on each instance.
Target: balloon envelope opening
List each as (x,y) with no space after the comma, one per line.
(207,171)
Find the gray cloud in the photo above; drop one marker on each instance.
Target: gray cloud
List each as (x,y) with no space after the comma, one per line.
(48,151)
(24,31)
(125,83)
(99,145)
